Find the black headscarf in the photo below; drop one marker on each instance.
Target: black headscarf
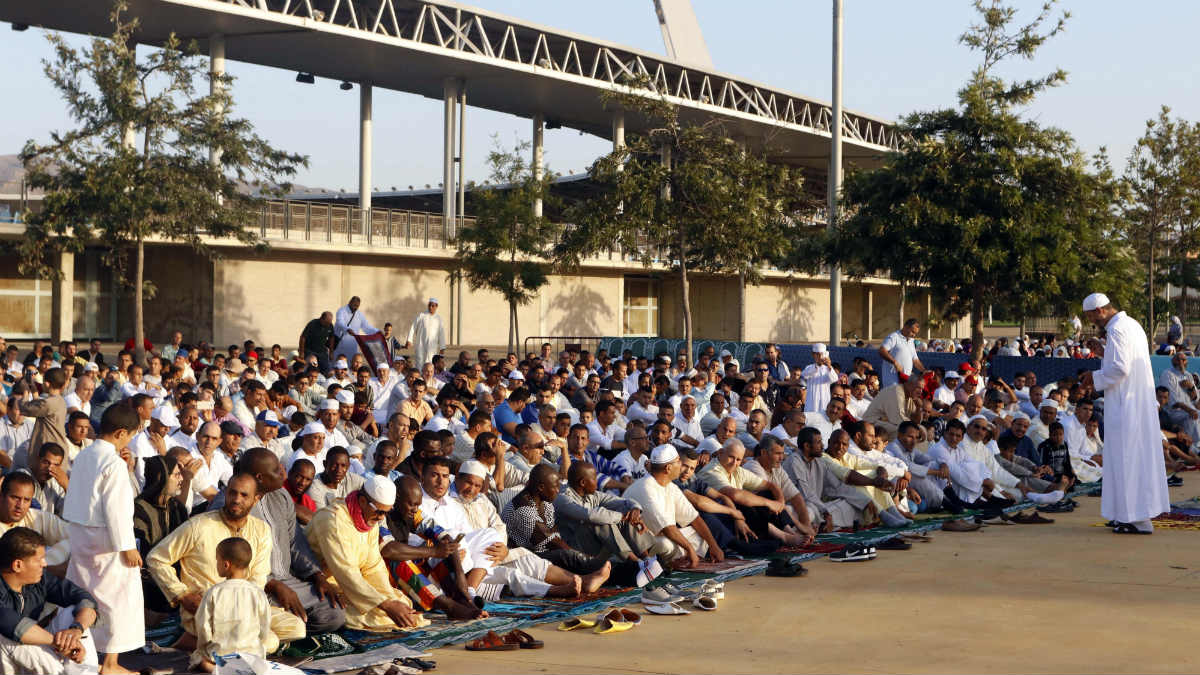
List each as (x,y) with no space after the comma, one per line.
(151,520)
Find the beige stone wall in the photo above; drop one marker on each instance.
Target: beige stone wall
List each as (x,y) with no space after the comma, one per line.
(787,310)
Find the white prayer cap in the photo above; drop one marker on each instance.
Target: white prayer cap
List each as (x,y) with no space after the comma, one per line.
(1048,403)
(165,415)
(432,301)
(473,467)
(328,404)
(664,454)
(345,398)
(312,428)
(383,366)
(341,364)
(978,417)
(1095,301)
(665,358)
(1019,416)
(515,375)
(818,348)
(381,490)
(951,375)
(1085,351)
(726,352)
(90,367)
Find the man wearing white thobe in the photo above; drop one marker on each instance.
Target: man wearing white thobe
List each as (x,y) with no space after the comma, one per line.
(99,511)
(1183,406)
(427,336)
(818,375)
(349,322)
(1135,485)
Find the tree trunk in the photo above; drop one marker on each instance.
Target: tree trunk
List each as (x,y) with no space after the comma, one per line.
(903,293)
(516,324)
(139,328)
(741,306)
(977,328)
(1150,311)
(511,327)
(687,304)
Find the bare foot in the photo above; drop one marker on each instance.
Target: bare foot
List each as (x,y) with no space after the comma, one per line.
(206,666)
(115,668)
(567,590)
(592,582)
(462,612)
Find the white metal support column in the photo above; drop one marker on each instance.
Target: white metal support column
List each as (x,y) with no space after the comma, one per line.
(450,99)
(539,125)
(835,177)
(364,155)
(462,158)
(618,129)
(216,67)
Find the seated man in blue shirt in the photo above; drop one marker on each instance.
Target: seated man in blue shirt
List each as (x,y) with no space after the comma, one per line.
(26,647)
(508,414)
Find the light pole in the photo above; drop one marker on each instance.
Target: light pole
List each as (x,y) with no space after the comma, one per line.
(835,177)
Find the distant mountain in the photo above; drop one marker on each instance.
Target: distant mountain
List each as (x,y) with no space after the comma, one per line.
(11,173)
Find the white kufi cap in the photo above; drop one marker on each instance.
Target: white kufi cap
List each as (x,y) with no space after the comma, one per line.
(380,490)
(663,454)
(1095,301)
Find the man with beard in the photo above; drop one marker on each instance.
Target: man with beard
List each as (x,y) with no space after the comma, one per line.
(193,546)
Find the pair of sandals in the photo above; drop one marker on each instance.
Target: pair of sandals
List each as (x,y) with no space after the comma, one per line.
(494,642)
(1125,528)
(778,567)
(1064,506)
(1033,518)
(614,621)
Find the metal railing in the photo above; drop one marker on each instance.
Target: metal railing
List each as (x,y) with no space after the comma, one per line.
(342,224)
(559,343)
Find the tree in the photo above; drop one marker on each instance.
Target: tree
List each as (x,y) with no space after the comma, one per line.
(1158,178)
(982,205)
(687,196)
(508,249)
(137,167)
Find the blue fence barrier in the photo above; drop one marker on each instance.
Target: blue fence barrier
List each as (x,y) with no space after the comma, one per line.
(800,355)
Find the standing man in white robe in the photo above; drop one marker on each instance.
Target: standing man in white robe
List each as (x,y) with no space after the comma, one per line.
(105,561)
(427,335)
(1135,484)
(817,376)
(349,322)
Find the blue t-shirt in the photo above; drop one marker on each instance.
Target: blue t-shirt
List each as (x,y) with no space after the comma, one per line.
(503,414)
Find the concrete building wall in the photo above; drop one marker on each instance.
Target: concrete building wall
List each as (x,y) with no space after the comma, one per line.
(787,310)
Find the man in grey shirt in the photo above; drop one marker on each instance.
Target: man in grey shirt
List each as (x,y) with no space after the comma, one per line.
(598,522)
(297,583)
(904,448)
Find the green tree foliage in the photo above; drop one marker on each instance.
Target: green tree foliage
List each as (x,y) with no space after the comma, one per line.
(686,196)
(982,205)
(1161,206)
(508,249)
(137,165)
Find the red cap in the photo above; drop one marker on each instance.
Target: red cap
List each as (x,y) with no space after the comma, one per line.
(966,366)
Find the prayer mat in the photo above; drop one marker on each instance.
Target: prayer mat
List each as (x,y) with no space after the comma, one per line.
(328,645)
(166,633)
(356,662)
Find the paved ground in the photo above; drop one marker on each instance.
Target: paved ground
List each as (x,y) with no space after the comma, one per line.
(1058,598)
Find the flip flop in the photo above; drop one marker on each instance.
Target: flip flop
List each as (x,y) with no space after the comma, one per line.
(575,623)
(610,626)
(705,603)
(523,640)
(668,609)
(490,643)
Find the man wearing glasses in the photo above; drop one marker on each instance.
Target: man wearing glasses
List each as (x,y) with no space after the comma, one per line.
(345,538)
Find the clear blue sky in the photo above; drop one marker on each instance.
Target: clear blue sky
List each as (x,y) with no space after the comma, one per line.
(1124,60)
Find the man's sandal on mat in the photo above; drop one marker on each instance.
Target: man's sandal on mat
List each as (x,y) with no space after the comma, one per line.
(490,643)
(523,640)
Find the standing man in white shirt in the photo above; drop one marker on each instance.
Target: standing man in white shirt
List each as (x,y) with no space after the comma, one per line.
(899,353)
(817,376)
